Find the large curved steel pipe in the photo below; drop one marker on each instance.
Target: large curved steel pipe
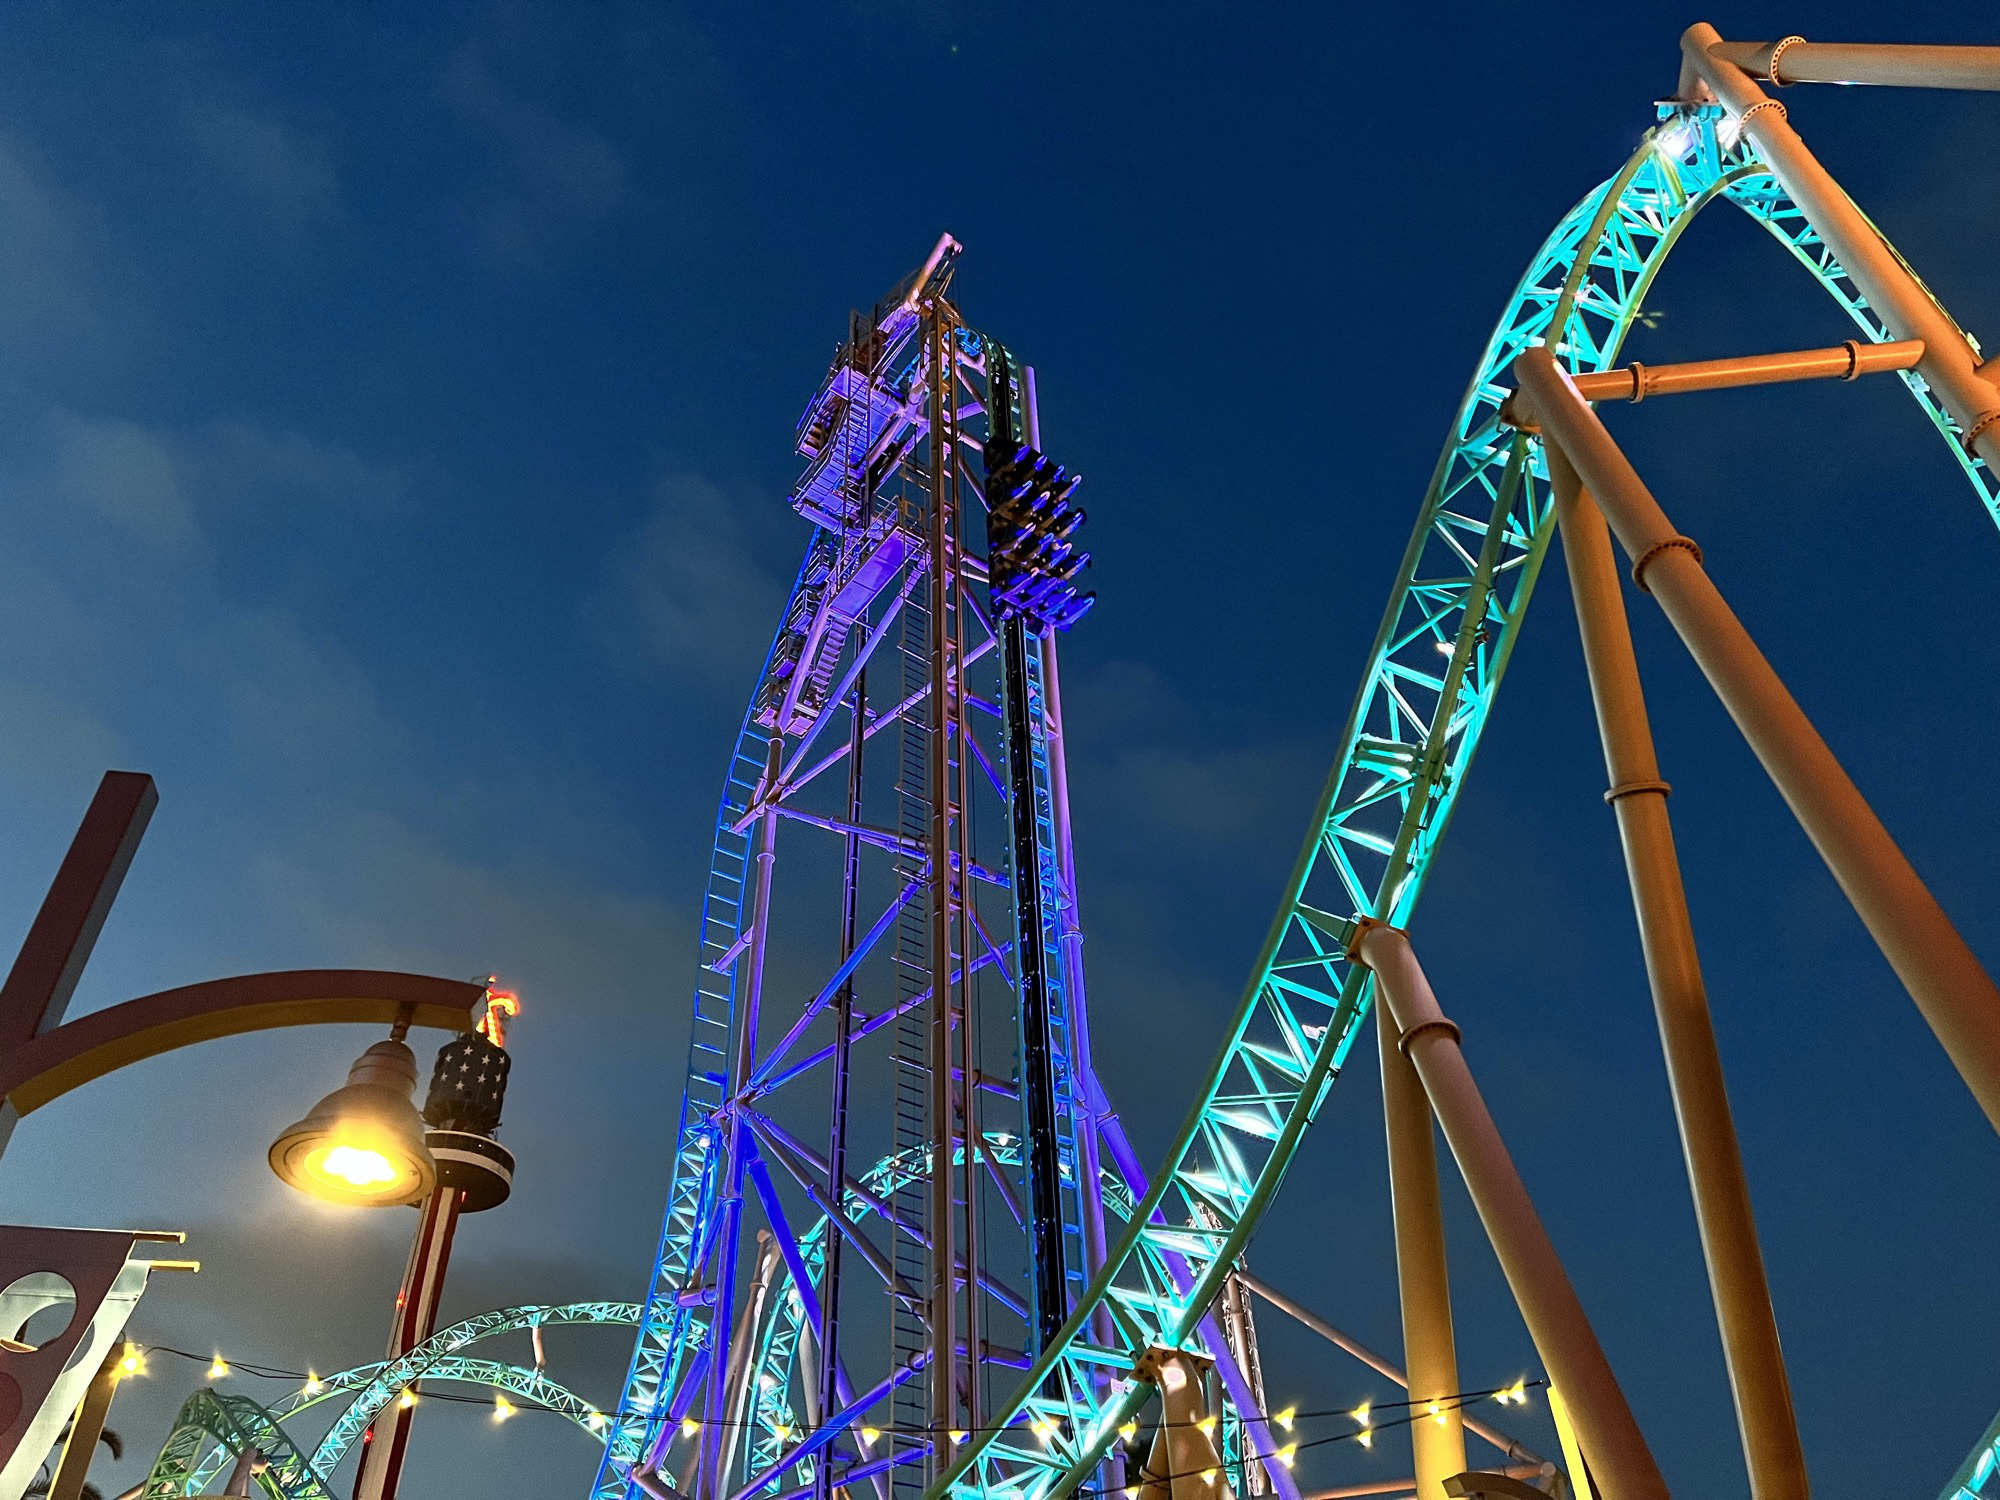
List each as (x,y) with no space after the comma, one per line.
(1892,65)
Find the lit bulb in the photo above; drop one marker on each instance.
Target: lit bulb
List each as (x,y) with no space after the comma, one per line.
(1129,1431)
(1131,1492)
(595,1420)
(1206,1427)
(957,1437)
(1519,1393)
(408,1399)
(218,1370)
(1437,1413)
(1208,1476)
(502,1408)
(1360,1414)
(133,1361)
(689,1427)
(1284,1418)
(1367,1436)
(1445,648)
(1288,1454)
(314,1385)
(782,1433)
(869,1434)
(768,1381)
(357,1166)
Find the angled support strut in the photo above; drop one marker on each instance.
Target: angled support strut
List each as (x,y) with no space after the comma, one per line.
(1638,799)
(1619,1459)
(1950,987)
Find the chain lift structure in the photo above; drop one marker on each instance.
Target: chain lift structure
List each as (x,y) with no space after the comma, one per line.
(908,1249)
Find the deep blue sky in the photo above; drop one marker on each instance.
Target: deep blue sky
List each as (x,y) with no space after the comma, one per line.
(397,417)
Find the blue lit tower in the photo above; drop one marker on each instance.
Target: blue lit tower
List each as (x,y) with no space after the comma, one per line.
(888,1181)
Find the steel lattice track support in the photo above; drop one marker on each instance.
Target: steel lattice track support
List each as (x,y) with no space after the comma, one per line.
(371,1387)
(197,1416)
(390,1379)
(1436,666)
(237,1424)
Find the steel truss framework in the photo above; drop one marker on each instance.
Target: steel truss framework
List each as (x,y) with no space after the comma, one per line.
(236,1424)
(1165,1249)
(212,1429)
(877,728)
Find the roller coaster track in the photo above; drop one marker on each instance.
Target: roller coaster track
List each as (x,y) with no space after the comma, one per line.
(234,1424)
(224,1425)
(389,1380)
(1434,671)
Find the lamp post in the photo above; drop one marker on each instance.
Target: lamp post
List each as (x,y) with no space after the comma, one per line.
(365,1143)
(43,1057)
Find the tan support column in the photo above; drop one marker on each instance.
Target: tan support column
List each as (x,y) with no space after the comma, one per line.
(1894,65)
(1429,1352)
(86,1428)
(1619,1458)
(1949,365)
(1951,989)
(1183,1463)
(1680,1002)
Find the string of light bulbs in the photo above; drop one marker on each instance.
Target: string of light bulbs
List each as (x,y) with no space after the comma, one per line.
(132,1362)
(1516,1394)
(1288,1454)
(1361,1415)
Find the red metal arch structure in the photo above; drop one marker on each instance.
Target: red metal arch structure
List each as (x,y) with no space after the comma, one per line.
(42,1057)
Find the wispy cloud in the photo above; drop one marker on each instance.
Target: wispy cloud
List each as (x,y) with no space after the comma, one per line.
(288,173)
(44,251)
(44,736)
(1146,750)
(241,461)
(551,179)
(694,587)
(1215,795)
(373,882)
(168,483)
(122,472)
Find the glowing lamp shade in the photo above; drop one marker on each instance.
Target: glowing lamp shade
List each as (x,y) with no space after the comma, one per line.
(364,1142)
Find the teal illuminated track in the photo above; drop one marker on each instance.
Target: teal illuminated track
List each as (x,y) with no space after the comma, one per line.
(1978,1478)
(1451,625)
(375,1386)
(233,1424)
(213,1429)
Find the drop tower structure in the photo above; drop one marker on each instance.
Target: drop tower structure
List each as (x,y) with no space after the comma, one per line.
(892,1161)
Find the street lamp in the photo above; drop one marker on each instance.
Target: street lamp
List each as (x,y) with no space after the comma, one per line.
(474,1173)
(364,1142)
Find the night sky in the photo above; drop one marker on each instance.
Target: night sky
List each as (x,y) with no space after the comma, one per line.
(396,412)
